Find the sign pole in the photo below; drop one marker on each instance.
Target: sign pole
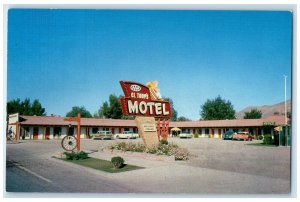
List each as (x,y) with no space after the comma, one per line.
(285,133)
(78,132)
(77,119)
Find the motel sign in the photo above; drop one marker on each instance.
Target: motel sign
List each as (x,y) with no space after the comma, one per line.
(139,101)
(151,112)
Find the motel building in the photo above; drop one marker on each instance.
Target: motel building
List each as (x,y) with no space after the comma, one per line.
(53,127)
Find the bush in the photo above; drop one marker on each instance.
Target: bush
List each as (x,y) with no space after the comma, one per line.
(181,155)
(261,137)
(123,146)
(76,156)
(151,150)
(268,140)
(160,149)
(165,142)
(117,162)
(82,155)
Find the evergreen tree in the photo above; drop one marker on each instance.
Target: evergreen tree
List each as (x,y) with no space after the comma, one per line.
(25,107)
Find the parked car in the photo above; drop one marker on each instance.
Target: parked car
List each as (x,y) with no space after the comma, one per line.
(242,136)
(103,135)
(228,135)
(126,135)
(185,135)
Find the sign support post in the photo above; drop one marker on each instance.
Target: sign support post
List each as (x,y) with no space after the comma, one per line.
(77,119)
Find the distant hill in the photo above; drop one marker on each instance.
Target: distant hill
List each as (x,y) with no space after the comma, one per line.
(267,110)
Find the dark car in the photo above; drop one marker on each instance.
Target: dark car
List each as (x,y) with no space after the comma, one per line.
(228,135)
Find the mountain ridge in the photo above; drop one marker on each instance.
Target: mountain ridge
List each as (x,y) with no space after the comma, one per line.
(267,110)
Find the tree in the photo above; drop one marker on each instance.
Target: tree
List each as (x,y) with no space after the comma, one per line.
(36,108)
(182,118)
(79,110)
(111,109)
(217,109)
(174,112)
(25,107)
(253,114)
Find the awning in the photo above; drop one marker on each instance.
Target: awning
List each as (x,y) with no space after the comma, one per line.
(175,129)
(278,128)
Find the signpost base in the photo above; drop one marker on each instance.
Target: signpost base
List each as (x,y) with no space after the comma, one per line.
(147,130)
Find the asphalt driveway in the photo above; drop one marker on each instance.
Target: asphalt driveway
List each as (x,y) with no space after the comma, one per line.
(215,167)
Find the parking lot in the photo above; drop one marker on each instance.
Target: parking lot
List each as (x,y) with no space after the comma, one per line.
(215,166)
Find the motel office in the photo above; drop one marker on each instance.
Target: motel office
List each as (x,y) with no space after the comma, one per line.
(52,127)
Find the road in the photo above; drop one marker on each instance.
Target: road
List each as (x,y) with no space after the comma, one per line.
(34,170)
(216,167)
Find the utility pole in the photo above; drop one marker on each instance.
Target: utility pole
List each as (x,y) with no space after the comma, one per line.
(285,112)
(285,99)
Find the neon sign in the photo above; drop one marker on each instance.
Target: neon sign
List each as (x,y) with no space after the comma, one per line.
(141,100)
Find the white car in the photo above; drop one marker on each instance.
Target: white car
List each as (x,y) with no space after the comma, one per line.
(102,135)
(126,135)
(185,135)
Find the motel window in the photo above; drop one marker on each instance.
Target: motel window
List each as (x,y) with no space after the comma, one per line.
(185,130)
(206,131)
(106,129)
(200,131)
(94,130)
(24,132)
(57,131)
(71,131)
(126,129)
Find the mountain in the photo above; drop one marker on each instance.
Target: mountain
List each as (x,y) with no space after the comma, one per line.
(267,110)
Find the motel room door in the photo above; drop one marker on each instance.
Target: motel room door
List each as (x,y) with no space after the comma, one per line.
(35,133)
(212,134)
(47,133)
(220,133)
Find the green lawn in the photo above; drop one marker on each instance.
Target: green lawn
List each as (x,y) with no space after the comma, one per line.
(102,165)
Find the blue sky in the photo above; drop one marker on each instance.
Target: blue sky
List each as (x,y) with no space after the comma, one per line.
(69,58)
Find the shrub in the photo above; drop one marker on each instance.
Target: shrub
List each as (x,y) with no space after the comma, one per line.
(181,154)
(82,155)
(70,156)
(268,140)
(260,137)
(76,156)
(160,149)
(117,161)
(196,135)
(123,146)
(165,142)
(151,150)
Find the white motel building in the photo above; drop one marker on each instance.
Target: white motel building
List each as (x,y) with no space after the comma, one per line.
(53,127)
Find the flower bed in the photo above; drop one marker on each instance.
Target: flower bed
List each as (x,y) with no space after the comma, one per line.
(160,149)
